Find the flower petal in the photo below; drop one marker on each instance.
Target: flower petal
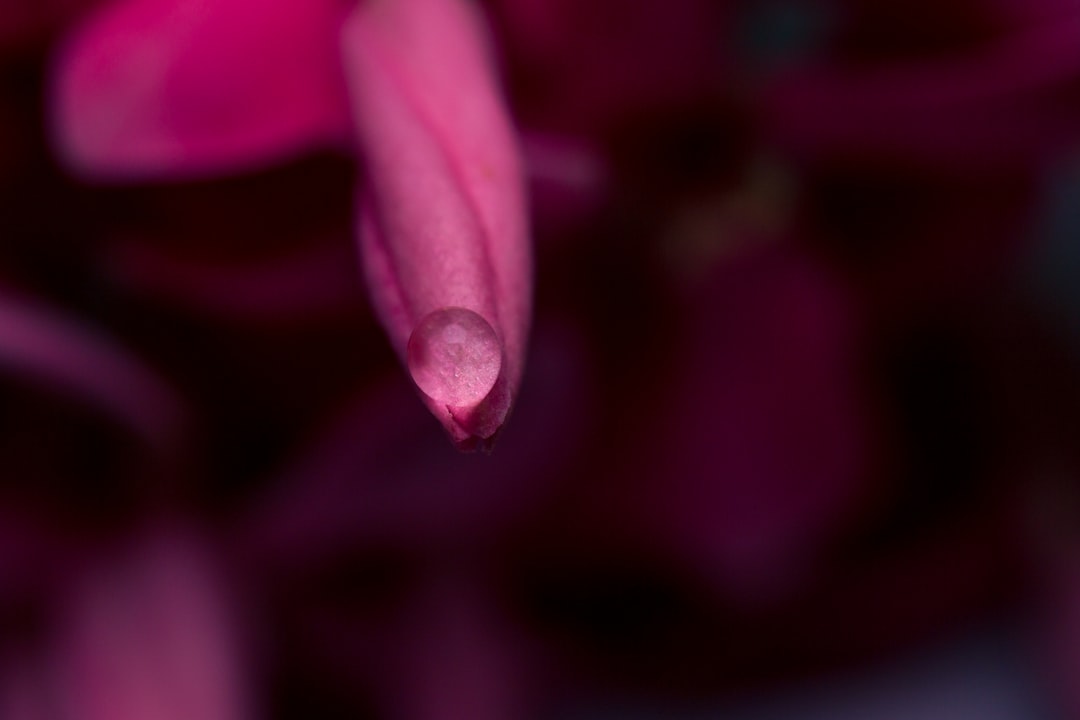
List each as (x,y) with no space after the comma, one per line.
(442,228)
(66,354)
(188,87)
(152,637)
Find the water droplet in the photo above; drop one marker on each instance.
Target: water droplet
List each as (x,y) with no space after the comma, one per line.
(454,356)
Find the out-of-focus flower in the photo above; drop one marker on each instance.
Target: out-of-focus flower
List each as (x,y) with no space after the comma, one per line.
(153,88)
(148,634)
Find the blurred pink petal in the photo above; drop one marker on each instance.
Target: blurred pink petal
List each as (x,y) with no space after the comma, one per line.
(189,87)
(37,343)
(149,638)
(443,231)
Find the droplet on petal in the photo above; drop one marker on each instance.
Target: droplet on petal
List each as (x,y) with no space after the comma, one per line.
(454,356)
(443,222)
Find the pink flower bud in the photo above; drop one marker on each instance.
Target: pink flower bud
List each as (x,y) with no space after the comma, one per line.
(442,227)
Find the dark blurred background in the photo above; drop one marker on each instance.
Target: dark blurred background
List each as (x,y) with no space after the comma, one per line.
(798,432)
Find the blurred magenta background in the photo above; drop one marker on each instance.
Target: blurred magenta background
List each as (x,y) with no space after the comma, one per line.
(798,435)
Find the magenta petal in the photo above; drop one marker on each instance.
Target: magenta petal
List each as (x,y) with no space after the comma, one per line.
(443,226)
(195,86)
(69,356)
(151,637)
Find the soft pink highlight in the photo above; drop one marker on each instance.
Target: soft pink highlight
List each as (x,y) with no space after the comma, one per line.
(149,638)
